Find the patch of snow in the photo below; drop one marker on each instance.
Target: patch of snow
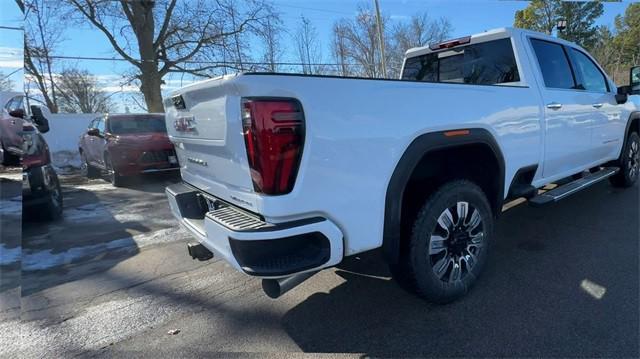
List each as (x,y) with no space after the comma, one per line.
(46,259)
(65,161)
(12,206)
(9,255)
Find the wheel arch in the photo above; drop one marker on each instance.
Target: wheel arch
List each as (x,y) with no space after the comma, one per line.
(633,124)
(419,149)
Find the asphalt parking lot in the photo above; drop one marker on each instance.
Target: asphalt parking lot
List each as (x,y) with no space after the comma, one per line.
(113,278)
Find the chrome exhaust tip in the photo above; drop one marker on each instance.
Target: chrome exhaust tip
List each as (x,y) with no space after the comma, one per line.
(275,288)
(199,252)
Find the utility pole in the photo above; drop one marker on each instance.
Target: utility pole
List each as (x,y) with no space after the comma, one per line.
(380,39)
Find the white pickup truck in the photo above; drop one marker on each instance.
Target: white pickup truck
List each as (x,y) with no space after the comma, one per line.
(285,175)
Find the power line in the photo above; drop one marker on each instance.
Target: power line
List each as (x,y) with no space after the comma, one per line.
(12,28)
(11,73)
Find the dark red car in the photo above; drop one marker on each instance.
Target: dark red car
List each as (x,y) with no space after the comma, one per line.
(23,120)
(126,145)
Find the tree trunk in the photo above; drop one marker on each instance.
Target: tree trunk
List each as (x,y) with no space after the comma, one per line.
(151,80)
(142,21)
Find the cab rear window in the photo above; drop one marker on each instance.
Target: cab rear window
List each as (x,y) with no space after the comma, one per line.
(487,63)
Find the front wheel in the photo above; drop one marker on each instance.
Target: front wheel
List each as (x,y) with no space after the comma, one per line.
(629,163)
(86,169)
(113,174)
(449,242)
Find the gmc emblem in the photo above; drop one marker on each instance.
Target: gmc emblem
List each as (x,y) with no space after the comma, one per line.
(185,124)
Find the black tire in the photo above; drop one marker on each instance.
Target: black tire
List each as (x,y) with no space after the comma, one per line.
(432,249)
(10,160)
(113,176)
(88,170)
(50,209)
(53,207)
(629,163)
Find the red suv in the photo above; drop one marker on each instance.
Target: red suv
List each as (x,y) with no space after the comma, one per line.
(126,145)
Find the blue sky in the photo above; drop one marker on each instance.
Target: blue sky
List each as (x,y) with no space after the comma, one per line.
(466,17)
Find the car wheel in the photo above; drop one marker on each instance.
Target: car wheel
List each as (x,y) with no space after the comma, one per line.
(449,242)
(54,203)
(86,169)
(113,176)
(629,163)
(9,159)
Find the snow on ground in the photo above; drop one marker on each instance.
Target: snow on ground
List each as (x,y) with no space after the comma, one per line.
(9,255)
(45,259)
(11,207)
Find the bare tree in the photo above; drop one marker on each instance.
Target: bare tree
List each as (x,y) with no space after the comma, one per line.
(360,39)
(79,92)
(270,36)
(43,34)
(339,48)
(162,36)
(355,41)
(308,47)
(420,30)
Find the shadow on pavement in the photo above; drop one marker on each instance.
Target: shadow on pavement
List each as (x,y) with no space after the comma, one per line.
(87,232)
(531,301)
(10,242)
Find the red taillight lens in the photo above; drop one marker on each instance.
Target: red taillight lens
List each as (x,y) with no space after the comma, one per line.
(274,136)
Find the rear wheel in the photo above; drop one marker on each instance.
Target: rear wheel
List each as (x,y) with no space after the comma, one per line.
(449,242)
(9,159)
(53,206)
(113,175)
(86,169)
(629,163)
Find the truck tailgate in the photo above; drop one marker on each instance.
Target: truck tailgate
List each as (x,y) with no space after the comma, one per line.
(203,121)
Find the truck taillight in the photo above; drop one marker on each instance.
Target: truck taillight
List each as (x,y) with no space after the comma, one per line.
(273,131)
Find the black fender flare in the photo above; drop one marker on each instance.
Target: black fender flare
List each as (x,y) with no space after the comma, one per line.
(634,116)
(420,146)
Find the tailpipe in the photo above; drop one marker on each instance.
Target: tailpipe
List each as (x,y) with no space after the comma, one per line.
(275,288)
(199,252)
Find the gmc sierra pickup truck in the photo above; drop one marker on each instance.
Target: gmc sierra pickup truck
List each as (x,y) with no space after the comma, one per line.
(285,175)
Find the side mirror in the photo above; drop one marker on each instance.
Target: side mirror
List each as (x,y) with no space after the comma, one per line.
(623,94)
(93,132)
(17,113)
(39,119)
(634,80)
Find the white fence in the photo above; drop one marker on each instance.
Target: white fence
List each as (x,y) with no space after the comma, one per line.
(64,132)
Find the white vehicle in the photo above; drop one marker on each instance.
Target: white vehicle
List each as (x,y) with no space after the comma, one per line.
(285,175)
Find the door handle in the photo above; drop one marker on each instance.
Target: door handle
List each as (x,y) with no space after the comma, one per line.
(554,106)
(597,105)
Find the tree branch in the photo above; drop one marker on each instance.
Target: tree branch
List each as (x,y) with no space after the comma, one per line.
(90,14)
(165,25)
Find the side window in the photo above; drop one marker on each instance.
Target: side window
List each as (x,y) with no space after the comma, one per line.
(92,124)
(15,103)
(553,64)
(588,73)
(100,125)
(485,63)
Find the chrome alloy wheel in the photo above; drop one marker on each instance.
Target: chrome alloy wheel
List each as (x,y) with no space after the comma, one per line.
(634,159)
(456,242)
